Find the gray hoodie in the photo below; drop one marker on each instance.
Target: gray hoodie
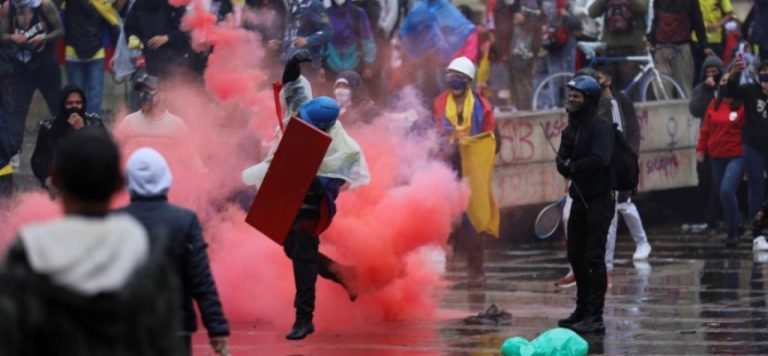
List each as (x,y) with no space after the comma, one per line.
(702,93)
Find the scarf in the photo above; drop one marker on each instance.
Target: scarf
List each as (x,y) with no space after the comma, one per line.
(464,128)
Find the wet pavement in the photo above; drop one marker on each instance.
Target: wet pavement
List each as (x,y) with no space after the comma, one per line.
(693,297)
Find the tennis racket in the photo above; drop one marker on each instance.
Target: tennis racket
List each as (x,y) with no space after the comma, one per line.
(549,219)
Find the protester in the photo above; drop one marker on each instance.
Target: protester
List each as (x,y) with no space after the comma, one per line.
(673,22)
(466,123)
(91,282)
(31,28)
(715,14)
(72,116)
(712,71)
(155,28)
(305,29)
(721,139)
(754,96)
(756,27)
(149,180)
(352,46)
(352,96)
(586,161)
(623,32)
(86,24)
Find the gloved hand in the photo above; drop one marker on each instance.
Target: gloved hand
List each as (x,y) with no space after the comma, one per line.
(568,137)
(564,166)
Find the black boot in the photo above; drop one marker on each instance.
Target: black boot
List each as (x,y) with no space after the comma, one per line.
(572,320)
(590,324)
(300,330)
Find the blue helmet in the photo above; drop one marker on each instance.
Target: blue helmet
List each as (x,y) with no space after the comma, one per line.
(586,85)
(320,112)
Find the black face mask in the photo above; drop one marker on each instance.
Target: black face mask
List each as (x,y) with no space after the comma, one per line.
(146,97)
(573,106)
(763,78)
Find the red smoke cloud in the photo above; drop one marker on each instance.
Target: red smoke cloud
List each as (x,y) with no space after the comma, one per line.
(381,228)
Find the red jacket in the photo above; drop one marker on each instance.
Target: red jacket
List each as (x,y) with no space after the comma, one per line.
(721,130)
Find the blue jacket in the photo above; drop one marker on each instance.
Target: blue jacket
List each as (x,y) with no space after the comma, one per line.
(306,18)
(187,253)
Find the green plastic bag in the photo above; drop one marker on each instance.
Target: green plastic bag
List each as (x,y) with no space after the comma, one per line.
(555,342)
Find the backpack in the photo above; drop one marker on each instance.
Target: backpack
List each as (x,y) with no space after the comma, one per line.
(618,17)
(624,163)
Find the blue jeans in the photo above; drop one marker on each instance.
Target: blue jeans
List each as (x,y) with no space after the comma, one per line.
(90,77)
(755,164)
(727,174)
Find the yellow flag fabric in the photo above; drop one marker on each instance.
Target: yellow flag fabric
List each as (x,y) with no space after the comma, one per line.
(4,171)
(107,11)
(465,128)
(477,163)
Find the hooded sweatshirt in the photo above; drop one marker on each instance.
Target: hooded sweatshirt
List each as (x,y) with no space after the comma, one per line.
(88,285)
(52,131)
(755,132)
(702,93)
(149,179)
(590,155)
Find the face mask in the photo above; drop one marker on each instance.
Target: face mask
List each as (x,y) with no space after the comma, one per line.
(572,106)
(763,78)
(340,2)
(457,83)
(343,96)
(146,97)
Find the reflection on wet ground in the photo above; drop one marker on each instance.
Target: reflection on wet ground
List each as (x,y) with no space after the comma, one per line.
(692,297)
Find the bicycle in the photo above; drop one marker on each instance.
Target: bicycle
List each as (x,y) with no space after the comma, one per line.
(652,84)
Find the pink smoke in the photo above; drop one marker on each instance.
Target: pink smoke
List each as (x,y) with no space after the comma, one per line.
(411,203)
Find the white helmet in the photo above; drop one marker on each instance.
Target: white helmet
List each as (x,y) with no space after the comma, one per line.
(464,66)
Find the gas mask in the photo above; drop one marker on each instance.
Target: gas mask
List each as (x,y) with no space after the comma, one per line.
(147,97)
(457,83)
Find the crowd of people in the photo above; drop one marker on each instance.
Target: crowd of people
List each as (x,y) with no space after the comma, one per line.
(468,67)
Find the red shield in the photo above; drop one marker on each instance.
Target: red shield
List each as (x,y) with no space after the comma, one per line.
(295,164)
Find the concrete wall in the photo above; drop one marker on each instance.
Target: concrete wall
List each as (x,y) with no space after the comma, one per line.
(525,168)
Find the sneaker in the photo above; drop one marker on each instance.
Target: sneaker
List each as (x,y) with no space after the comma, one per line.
(570,321)
(590,324)
(759,244)
(642,251)
(566,282)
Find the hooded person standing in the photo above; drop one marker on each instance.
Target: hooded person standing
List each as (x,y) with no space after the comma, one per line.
(466,122)
(343,167)
(149,180)
(584,157)
(72,116)
(712,71)
(91,282)
(755,134)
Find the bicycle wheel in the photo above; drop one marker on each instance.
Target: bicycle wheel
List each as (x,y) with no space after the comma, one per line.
(670,89)
(542,94)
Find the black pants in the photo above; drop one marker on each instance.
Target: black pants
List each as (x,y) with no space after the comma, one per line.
(709,193)
(587,232)
(472,244)
(47,79)
(624,72)
(302,247)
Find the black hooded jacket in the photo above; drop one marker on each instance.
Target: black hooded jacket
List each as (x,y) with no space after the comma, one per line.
(587,142)
(38,317)
(52,131)
(703,93)
(755,132)
(188,256)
